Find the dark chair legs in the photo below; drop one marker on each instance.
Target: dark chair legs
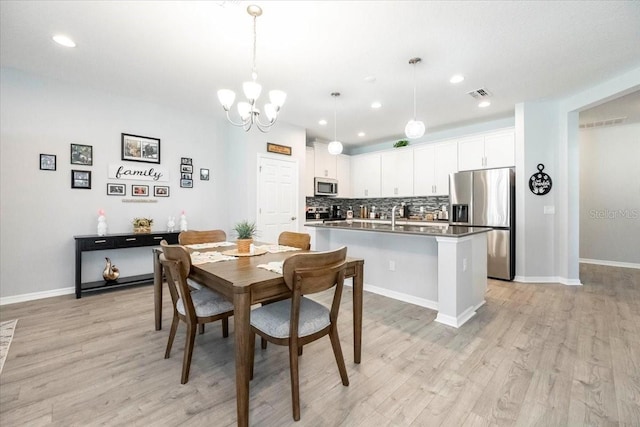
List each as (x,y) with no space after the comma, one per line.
(172,335)
(295,383)
(337,352)
(188,352)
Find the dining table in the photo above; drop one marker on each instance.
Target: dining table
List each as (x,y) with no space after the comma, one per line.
(245,284)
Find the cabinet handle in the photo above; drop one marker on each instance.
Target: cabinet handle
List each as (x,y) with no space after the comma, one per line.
(99,241)
(158,238)
(395,190)
(131,239)
(366,192)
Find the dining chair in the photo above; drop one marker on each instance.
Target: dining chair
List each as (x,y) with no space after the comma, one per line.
(297,321)
(296,240)
(192,237)
(194,307)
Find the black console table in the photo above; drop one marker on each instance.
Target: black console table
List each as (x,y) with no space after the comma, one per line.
(115,241)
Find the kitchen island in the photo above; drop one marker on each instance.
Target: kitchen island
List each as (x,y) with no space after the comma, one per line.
(440,267)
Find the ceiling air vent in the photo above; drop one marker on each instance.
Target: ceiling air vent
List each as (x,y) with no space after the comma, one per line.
(480,93)
(603,123)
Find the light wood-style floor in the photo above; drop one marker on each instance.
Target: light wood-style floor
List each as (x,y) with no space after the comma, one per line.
(547,355)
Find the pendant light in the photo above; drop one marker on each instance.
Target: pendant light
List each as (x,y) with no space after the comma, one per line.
(414,128)
(249,113)
(335,146)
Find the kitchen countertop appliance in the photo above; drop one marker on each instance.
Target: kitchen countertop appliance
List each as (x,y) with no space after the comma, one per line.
(486,198)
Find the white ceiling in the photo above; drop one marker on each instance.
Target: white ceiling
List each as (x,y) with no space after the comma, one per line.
(180,53)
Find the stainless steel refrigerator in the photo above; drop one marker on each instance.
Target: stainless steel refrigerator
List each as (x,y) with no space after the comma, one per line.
(486,198)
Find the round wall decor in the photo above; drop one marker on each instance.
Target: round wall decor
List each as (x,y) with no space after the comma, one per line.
(540,183)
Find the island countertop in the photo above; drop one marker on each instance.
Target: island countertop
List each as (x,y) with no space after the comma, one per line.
(423,230)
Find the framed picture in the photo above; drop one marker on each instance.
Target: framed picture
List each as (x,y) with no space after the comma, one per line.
(81,179)
(161,191)
(204,174)
(186,161)
(140,148)
(186,183)
(140,190)
(186,176)
(47,162)
(81,155)
(277,148)
(116,190)
(186,168)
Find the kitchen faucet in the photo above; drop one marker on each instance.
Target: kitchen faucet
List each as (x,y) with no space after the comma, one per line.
(393,216)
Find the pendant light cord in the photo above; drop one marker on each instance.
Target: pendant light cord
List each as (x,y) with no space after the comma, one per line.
(335,118)
(254,73)
(414,91)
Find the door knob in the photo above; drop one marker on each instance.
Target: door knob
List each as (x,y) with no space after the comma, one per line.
(293,218)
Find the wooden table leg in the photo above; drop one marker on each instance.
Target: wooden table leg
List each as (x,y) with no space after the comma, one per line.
(358,285)
(242,334)
(157,288)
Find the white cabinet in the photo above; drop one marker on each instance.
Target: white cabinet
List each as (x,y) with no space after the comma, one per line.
(397,173)
(365,175)
(493,150)
(325,162)
(432,165)
(343,174)
(309,172)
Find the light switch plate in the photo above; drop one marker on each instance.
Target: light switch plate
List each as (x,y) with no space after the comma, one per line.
(549,210)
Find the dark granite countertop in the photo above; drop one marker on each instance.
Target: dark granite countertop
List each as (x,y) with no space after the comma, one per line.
(423,230)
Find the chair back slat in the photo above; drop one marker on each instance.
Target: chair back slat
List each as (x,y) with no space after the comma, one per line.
(296,240)
(314,272)
(193,237)
(177,263)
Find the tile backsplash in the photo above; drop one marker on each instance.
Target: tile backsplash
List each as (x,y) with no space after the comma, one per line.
(383,204)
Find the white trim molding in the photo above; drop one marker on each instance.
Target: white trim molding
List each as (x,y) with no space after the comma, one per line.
(548,279)
(610,263)
(422,302)
(37,295)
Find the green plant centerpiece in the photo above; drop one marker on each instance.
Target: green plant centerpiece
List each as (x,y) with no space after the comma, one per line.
(246,231)
(401,143)
(142,225)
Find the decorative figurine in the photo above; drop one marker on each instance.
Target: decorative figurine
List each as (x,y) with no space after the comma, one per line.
(183,222)
(110,272)
(102,223)
(171,224)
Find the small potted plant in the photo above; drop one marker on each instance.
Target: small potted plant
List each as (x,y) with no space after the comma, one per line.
(401,143)
(142,225)
(245,231)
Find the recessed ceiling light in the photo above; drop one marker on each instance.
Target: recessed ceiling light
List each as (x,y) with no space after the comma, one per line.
(64,40)
(456,78)
(361,134)
(484,104)
(370,79)
(322,122)
(376,104)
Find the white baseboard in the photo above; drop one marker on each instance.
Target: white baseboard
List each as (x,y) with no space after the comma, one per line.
(422,302)
(547,279)
(37,295)
(458,321)
(610,263)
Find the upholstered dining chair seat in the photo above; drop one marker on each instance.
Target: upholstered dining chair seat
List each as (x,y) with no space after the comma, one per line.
(194,284)
(206,303)
(274,319)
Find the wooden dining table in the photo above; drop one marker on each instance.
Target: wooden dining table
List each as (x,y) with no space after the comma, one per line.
(242,282)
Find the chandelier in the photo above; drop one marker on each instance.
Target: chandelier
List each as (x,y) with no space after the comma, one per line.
(248,111)
(415,128)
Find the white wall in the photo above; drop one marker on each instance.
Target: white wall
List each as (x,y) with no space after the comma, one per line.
(610,194)
(40,213)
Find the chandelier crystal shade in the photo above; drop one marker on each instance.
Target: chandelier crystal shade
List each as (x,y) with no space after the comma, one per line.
(414,128)
(247,110)
(335,146)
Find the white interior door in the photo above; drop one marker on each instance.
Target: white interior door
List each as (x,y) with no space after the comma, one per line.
(277,197)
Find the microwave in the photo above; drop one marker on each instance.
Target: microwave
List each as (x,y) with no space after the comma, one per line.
(325,187)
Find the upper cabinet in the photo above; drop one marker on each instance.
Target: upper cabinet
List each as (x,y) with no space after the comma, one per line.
(325,162)
(365,175)
(493,150)
(309,172)
(432,165)
(343,174)
(397,173)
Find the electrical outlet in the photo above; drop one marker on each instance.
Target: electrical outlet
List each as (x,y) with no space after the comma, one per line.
(392,266)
